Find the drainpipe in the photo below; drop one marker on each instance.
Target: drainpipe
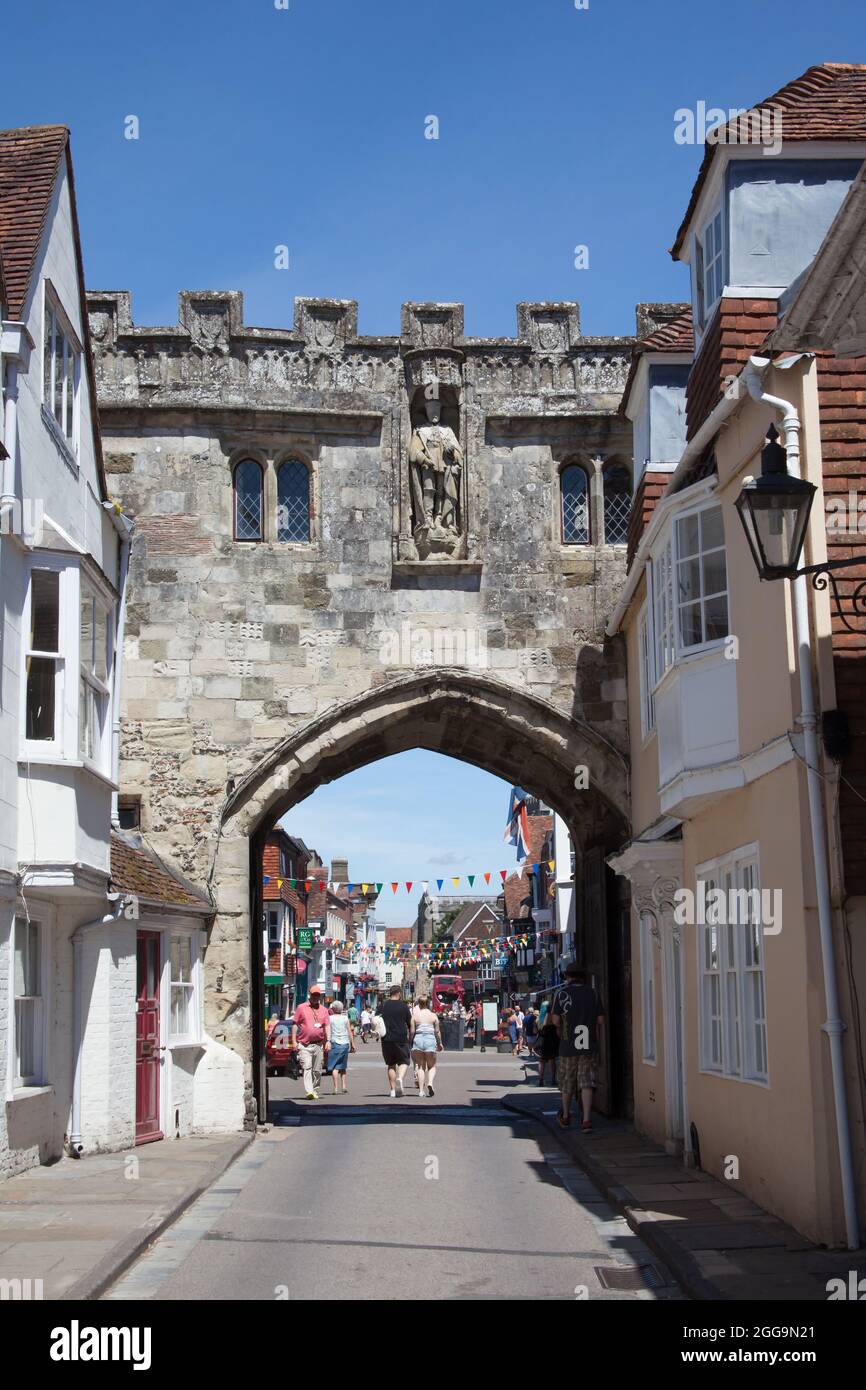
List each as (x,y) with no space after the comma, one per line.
(124,530)
(808,720)
(118,900)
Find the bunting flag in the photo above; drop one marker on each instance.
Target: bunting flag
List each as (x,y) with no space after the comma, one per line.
(337,886)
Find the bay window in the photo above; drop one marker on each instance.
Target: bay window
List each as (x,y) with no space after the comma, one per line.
(689,583)
(95,655)
(43,662)
(701,578)
(69,623)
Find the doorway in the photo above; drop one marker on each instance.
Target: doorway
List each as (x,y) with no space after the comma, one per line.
(148,1053)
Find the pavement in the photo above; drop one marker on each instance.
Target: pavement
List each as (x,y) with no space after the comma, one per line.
(474,1194)
(717,1243)
(77,1224)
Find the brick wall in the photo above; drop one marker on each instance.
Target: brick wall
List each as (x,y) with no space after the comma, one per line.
(842,402)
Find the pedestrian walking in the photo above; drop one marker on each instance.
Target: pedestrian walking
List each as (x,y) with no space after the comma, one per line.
(578,1014)
(426,1042)
(547,1048)
(514,1034)
(366,1023)
(530,1029)
(395,1041)
(342,1043)
(311,1034)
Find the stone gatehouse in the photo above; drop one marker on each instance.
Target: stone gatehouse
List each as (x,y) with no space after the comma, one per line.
(348,545)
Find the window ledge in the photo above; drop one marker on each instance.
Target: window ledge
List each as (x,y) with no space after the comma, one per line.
(59,439)
(35,760)
(29,1093)
(183,1045)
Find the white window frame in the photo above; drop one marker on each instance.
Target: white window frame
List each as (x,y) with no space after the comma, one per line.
(94,693)
(733,1032)
(648,990)
(43,748)
(275,928)
(42,1012)
(663,608)
(680,647)
(647,682)
(193,1036)
(56,321)
(709,264)
(75,581)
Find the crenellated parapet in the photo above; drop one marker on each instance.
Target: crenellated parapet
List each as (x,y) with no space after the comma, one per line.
(211,357)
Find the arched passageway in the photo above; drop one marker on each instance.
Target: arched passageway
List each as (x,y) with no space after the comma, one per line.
(468,716)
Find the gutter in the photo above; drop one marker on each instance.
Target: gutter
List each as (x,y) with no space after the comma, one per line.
(834,1026)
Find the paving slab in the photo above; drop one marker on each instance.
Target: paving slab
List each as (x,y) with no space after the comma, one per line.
(79,1223)
(718,1243)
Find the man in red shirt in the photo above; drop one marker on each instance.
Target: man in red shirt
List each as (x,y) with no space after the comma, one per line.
(311,1033)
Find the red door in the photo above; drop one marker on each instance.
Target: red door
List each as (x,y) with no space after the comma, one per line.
(148,1053)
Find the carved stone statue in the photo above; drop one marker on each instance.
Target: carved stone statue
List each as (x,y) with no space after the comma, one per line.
(436,463)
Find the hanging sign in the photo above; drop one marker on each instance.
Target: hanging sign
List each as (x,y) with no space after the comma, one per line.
(305,938)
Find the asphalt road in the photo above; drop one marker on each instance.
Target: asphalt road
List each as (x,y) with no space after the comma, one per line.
(364,1197)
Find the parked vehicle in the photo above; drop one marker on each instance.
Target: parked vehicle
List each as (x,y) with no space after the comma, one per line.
(281,1056)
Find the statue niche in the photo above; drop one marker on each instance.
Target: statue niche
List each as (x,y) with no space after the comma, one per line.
(436,472)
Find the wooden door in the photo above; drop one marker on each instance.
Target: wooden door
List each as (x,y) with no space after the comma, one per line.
(148,1053)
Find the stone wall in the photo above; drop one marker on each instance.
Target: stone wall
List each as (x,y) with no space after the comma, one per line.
(235,647)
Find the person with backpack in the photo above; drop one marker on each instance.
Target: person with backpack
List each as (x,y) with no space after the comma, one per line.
(578,1015)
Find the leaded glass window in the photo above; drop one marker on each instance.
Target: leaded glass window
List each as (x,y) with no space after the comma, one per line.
(575,505)
(617,503)
(248,501)
(293,501)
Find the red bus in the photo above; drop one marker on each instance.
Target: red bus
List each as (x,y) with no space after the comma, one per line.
(444,990)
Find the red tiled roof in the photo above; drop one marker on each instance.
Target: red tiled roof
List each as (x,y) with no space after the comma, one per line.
(677,335)
(28,170)
(517,896)
(136,868)
(826,102)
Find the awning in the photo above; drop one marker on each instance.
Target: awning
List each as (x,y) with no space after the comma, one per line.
(271,979)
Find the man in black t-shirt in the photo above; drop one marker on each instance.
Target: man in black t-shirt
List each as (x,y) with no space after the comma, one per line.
(578,1014)
(395,1043)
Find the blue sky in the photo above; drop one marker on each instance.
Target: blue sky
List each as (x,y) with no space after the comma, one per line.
(305,127)
(262,127)
(413,816)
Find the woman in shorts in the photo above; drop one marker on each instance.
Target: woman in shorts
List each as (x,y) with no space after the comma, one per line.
(426,1042)
(342,1043)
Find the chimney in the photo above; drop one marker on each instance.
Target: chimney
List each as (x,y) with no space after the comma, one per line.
(340,871)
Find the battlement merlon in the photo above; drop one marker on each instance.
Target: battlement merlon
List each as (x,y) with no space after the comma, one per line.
(546,326)
(210,357)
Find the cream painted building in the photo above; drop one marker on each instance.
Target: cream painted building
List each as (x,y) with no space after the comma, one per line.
(748,884)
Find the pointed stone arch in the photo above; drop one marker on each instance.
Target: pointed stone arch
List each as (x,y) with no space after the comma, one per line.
(466,715)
